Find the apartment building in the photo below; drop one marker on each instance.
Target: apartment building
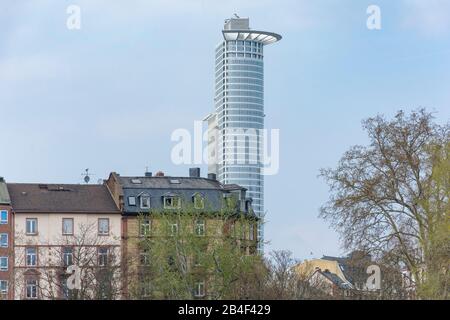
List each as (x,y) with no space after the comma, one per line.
(60,225)
(6,242)
(142,199)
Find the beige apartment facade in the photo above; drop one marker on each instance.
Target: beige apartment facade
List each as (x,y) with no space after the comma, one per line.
(64,230)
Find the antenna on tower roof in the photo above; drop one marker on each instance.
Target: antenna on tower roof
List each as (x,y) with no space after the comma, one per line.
(237,16)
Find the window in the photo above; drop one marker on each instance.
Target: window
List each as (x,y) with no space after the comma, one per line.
(145,286)
(145,258)
(132,201)
(67,256)
(200,227)
(3,240)
(31,257)
(197,259)
(103,256)
(66,293)
(251,232)
(3,217)
(31,289)
(103,226)
(174,228)
(199,202)
(3,287)
(31,226)
(145,202)
(67,226)
(199,289)
(172,203)
(3,263)
(146,289)
(145,226)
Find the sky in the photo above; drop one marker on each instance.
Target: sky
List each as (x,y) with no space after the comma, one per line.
(108,96)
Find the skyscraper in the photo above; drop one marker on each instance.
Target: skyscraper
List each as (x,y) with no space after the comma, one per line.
(235,128)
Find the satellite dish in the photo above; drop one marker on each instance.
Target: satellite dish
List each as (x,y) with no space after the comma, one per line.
(87,176)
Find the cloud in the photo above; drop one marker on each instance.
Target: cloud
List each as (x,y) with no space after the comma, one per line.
(431,17)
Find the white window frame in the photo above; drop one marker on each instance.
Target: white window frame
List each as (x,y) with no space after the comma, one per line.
(100,231)
(63,226)
(146,223)
(7,264)
(132,201)
(33,262)
(102,256)
(6,289)
(144,255)
(141,201)
(30,284)
(172,206)
(66,255)
(199,290)
(4,221)
(174,228)
(202,201)
(200,227)
(2,235)
(35,224)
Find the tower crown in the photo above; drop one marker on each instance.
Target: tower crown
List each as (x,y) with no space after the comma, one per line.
(239,29)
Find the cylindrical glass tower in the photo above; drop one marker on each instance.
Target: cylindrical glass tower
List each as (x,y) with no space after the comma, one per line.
(239,109)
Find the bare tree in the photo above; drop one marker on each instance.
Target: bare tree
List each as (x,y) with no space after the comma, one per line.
(379,193)
(96,258)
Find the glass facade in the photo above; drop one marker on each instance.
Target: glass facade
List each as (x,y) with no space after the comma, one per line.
(239,111)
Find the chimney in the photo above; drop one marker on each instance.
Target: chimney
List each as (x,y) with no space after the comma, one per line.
(148,174)
(194,172)
(2,179)
(159,174)
(212,176)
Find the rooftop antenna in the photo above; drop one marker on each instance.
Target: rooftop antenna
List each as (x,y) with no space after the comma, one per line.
(87,176)
(237,16)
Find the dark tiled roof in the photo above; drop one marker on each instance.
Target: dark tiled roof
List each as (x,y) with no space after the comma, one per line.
(233,187)
(335,279)
(353,268)
(167,182)
(61,198)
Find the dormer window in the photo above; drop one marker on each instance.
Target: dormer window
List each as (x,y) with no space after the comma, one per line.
(145,201)
(199,201)
(172,202)
(231,201)
(131,201)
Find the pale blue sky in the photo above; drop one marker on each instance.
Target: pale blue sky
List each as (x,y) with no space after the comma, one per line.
(109,96)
